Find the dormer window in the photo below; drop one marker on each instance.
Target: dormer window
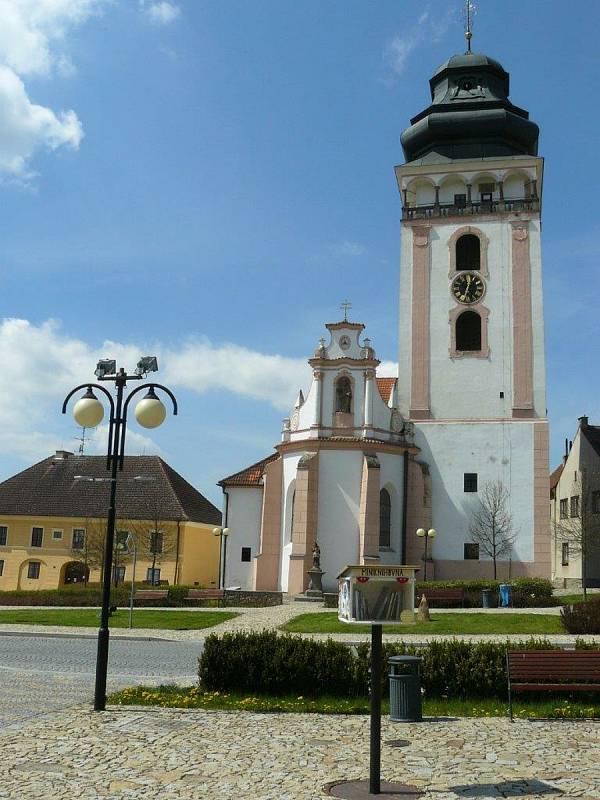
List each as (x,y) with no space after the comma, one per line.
(343,395)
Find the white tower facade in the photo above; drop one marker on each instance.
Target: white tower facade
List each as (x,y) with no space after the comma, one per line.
(471,364)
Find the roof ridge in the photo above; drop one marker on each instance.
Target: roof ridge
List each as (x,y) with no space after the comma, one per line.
(164,465)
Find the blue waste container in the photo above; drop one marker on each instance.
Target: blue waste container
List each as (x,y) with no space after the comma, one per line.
(486,598)
(504,595)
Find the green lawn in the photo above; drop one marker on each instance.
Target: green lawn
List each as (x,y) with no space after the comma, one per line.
(328,622)
(182,697)
(142,618)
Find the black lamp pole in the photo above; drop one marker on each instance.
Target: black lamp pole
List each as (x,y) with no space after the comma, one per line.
(117,427)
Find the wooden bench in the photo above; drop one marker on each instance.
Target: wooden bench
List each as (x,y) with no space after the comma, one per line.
(151,594)
(206,594)
(444,594)
(552,671)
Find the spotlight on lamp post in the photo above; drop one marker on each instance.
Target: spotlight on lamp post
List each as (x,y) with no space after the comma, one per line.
(423,534)
(89,412)
(222,533)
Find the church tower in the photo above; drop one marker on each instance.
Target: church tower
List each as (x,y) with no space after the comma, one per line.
(471,366)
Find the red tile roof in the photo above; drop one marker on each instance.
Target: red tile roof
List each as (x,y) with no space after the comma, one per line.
(251,476)
(385,386)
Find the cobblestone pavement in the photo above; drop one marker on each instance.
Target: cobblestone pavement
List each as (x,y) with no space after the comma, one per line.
(171,755)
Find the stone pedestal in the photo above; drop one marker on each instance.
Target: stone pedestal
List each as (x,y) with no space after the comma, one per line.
(315,582)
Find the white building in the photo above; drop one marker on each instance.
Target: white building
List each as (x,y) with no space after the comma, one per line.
(358,469)
(575,510)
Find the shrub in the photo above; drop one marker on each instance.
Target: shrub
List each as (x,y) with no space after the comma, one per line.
(525,592)
(267,663)
(582,617)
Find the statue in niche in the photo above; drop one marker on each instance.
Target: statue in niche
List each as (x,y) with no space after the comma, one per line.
(343,395)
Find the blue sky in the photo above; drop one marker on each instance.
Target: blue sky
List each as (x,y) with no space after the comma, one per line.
(209,180)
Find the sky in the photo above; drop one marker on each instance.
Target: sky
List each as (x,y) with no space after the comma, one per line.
(207,180)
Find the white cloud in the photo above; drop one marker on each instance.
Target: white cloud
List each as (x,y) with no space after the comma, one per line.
(429,28)
(41,364)
(161,13)
(201,366)
(33,37)
(26,127)
(347,248)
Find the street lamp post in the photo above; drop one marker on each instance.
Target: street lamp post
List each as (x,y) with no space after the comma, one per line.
(222,533)
(89,412)
(423,534)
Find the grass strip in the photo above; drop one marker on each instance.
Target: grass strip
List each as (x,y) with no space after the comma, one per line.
(183,697)
(451,624)
(142,618)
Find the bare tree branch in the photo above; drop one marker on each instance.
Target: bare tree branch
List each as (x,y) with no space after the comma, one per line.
(491,523)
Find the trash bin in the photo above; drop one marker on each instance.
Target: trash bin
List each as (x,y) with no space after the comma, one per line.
(486,598)
(504,595)
(406,704)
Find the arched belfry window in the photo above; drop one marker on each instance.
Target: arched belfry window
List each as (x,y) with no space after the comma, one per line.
(468,332)
(385,518)
(468,252)
(343,395)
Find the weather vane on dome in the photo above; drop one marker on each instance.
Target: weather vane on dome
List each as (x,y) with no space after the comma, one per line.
(469,12)
(345,306)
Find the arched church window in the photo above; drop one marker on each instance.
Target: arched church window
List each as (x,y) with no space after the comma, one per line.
(343,395)
(468,252)
(468,331)
(385,518)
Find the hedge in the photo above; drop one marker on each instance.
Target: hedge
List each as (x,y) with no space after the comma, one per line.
(525,592)
(79,595)
(273,664)
(582,617)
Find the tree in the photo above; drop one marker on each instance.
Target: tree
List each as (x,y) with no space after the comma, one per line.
(155,537)
(491,524)
(579,528)
(89,547)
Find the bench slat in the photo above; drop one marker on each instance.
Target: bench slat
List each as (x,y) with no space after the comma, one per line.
(558,687)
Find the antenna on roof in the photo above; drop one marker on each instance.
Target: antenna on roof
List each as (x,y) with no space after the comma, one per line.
(81,440)
(469,12)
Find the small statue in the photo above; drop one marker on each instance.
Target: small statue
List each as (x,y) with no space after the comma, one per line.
(316,554)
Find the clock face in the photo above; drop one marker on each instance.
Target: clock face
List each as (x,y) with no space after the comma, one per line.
(468,287)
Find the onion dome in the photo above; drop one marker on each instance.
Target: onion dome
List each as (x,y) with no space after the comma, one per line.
(470,115)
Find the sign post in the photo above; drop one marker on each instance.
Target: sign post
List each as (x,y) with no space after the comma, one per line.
(374,595)
(375,754)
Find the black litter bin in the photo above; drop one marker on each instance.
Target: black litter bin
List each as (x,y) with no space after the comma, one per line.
(406,704)
(486,598)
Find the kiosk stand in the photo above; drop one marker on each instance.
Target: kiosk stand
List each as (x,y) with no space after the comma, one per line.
(375,595)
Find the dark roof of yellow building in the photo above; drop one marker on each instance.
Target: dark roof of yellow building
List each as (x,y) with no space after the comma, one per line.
(147,487)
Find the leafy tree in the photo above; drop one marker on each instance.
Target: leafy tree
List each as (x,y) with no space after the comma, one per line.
(491,523)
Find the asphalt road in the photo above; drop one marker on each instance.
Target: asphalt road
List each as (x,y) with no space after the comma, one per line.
(40,673)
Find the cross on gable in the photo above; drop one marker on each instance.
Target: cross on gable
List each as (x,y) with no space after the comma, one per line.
(345,306)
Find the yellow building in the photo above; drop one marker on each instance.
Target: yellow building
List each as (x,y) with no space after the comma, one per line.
(53,524)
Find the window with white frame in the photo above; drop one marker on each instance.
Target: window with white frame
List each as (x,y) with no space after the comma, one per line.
(57,535)
(33,570)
